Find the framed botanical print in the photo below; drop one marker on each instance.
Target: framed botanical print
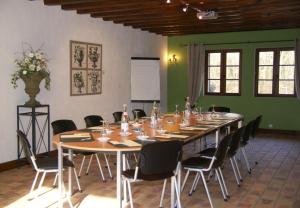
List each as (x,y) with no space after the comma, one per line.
(85,68)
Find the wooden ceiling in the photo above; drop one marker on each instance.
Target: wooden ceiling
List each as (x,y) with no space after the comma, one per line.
(168,19)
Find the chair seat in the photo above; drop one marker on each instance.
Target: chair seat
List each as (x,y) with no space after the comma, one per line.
(50,163)
(196,162)
(141,176)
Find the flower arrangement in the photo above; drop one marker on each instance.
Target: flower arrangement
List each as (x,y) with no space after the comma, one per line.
(31,62)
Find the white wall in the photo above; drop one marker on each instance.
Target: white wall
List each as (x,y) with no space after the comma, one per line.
(34,23)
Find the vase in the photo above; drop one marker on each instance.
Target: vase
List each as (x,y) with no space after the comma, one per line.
(32,87)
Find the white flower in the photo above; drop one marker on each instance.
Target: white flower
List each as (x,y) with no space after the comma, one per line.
(24,72)
(38,56)
(26,60)
(31,67)
(38,68)
(31,55)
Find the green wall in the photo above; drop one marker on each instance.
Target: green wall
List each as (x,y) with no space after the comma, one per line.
(282,113)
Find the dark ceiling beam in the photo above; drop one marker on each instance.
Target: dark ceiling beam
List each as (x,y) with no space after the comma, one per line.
(61,2)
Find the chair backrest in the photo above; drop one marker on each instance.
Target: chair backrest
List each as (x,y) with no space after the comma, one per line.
(219,109)
(160,157)
(139,113)
(235,141)
(63,125)
(222,150)
(256,125)
(247,132)
(30,157)
(117,116)
(93,120)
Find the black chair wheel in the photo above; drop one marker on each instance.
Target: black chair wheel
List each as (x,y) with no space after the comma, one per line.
(104,181)
(256,162)
(80,191)
(86,173)
(239,185)
(228,196)
(190,194)
(241,180)
(78,177)
(226,200)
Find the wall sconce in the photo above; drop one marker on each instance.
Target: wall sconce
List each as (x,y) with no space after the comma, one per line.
(173,58)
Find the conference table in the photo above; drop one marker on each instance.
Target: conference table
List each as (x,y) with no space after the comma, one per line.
(170,127)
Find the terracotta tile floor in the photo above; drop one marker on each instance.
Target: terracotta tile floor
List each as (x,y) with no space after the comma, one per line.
(274,182)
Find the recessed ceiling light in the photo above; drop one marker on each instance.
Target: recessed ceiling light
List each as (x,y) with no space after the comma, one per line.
(168,1)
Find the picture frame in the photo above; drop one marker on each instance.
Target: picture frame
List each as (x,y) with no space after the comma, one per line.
(85,68)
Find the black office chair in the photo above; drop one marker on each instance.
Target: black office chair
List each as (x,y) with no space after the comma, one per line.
(157,161)
(117,116)
(233,149)
(219,109)
(138,113)
(63,125)
(203,164)
(43,165)
(93,120)
(245,141)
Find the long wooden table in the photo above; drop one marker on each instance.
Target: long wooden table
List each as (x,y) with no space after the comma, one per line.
(169,122)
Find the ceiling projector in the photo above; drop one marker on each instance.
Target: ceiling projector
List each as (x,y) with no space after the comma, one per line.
(207,15)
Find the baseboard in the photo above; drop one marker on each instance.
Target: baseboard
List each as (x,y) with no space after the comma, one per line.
(278,131)
(18,163)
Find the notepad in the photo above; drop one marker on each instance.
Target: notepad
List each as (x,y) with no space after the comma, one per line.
(125,143)
(75,135)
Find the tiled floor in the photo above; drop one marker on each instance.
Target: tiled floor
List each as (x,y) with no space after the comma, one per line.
(275,182)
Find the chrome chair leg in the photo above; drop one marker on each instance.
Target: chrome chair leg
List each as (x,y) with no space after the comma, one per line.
(237,168)
(224,183)
(55,180)
(221,184)
(178,202)
(34,182)
(42,180)
(108,166)
(100,168)
(130,193)
(206,189)
(82,162)
(162,194)
(87,170)
(185,179)
(234,171)
(246,160)
(194,183)
(77,180)
(198,178)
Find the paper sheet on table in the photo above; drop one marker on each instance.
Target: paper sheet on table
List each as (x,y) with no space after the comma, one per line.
(127,143)
(190,128)
(167,136)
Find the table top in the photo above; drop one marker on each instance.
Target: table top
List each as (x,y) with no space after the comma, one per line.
(169,122)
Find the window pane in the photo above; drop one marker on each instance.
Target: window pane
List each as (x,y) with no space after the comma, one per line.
(266,57)
(232,86)
(232,72)
(265,72)
(264,87)
(232,58)
(214,86)
(214,72)
(287,57)
(286,72)
(214,59)
(286,87)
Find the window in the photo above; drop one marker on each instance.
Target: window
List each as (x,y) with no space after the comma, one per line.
(275,72)
(223,72)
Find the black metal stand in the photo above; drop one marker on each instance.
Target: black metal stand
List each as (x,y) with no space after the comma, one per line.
(38,138)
